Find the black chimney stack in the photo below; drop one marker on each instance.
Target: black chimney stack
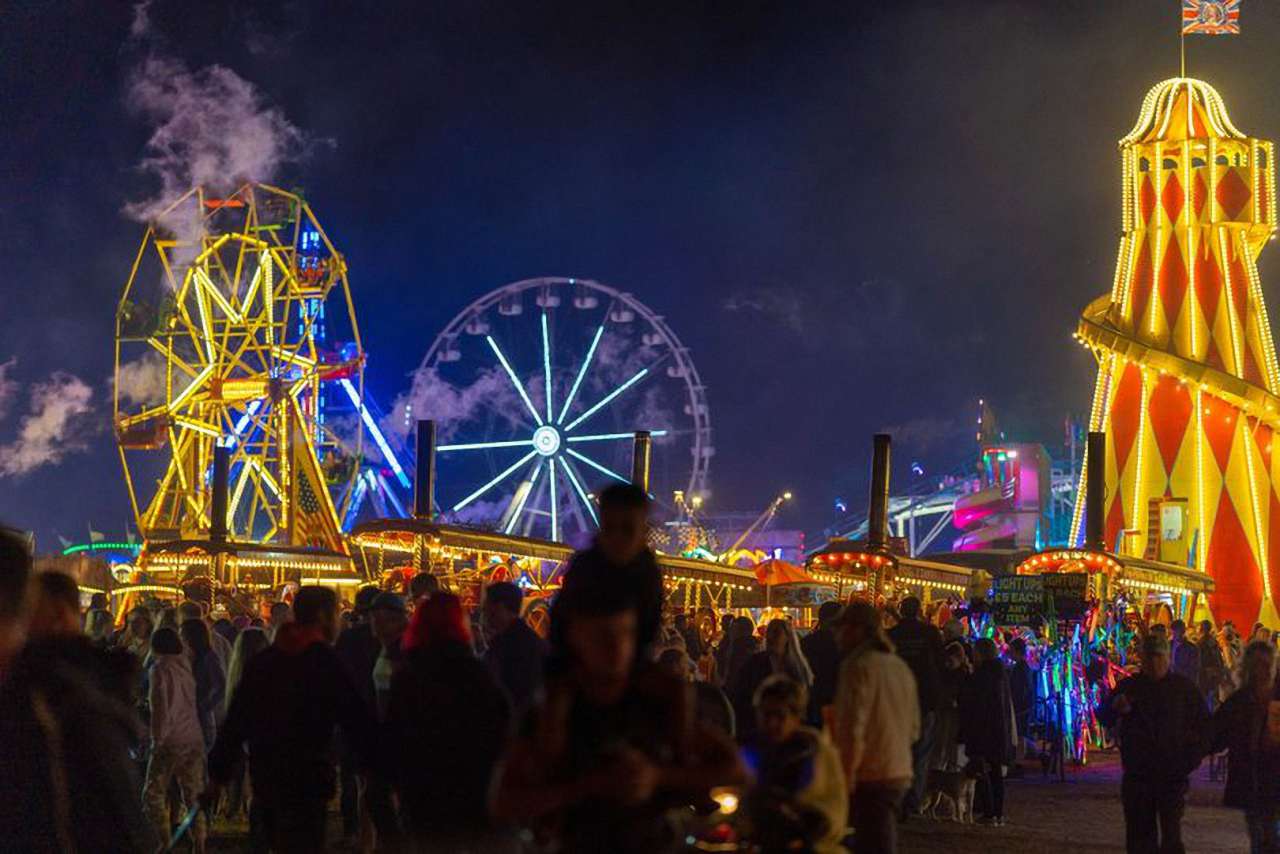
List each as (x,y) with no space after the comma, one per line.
(424,480)
(218,513)
(1095,488)
(878,509)
(640,459)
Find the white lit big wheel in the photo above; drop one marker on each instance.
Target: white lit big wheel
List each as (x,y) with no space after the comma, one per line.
(537,389)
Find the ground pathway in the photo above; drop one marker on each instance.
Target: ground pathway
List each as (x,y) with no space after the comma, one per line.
(1079,814)
(1045,816)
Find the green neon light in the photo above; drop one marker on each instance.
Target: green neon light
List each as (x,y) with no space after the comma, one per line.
(101,547)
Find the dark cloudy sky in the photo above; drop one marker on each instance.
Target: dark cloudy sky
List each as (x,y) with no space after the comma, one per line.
(857,215)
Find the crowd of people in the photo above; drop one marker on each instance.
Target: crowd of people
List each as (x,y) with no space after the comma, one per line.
(434,727)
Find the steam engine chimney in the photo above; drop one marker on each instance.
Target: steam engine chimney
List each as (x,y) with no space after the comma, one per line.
(878,508)
(424,479)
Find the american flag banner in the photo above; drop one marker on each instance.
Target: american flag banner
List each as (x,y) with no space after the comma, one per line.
(313,520)
(1211,17)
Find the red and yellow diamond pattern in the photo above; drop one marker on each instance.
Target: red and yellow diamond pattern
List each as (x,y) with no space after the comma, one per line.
(1188,379)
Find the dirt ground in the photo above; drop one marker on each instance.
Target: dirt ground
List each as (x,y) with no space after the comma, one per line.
(1044,814)
(1079,814)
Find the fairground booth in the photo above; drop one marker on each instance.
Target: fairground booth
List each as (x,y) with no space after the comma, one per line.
(1082,612)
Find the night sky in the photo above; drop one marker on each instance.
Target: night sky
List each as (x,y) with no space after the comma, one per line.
(858,216)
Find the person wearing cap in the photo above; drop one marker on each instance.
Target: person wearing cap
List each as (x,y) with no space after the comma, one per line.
(876,721)
(1161,722)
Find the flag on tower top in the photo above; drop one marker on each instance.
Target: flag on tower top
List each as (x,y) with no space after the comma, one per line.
(1211,17)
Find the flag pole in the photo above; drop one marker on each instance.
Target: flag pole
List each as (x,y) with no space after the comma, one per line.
(1182,53)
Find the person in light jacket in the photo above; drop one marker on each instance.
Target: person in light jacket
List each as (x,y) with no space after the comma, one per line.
(876,721)
(177,741)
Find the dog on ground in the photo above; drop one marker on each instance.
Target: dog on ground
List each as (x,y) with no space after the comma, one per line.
(956,786)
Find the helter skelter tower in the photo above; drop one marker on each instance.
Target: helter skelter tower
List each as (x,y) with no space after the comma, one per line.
(1187,374)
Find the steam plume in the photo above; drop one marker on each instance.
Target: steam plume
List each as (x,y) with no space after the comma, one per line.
(54,426)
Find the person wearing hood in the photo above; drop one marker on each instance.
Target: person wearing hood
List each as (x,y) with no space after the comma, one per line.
(67,723)
(177,738)
(288,702)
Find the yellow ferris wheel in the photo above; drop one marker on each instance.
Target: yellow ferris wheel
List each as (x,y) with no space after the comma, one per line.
(236,327)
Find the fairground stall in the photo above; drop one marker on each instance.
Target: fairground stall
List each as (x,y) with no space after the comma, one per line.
(1082,612)
(392,551)
(94,565)
(859,570)
(239,577)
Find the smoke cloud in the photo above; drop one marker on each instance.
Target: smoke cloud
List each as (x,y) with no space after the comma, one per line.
(432,396)
(54,427)
(211,128)
(142,380)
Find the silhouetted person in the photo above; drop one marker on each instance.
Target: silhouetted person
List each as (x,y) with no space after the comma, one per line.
(1022,687)
(211,680)
(1160,720)
(722,646)
(621,550)
(288,702)
(800,801)
(711,707)
(1213,668)
(281,613)
(358,651)
(742,644)
(249,642)
(389,619)
(613,745)
(875,722)
(920,646)
(177,736)
(190,610)
(422,587)
(823,654)
(688,631)
(984,724)
(1184,653)
(447,724)
(781,654)
(516,655)
(67,782)
(1253,758)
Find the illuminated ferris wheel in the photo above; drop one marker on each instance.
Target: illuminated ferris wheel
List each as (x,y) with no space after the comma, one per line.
(537,389)
(236,328)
